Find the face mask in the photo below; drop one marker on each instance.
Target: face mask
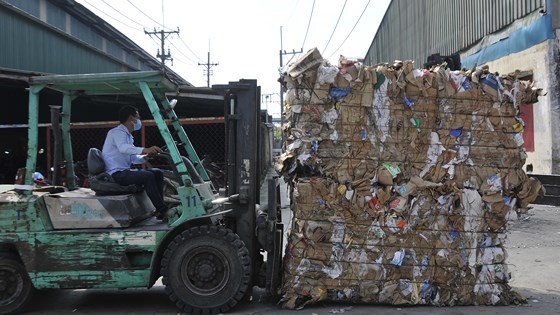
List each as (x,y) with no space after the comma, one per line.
(137,125)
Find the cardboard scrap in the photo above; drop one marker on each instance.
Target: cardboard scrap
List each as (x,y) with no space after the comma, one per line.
(404,182)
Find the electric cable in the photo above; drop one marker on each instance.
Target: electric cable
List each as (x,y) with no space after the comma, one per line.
(163,26)
(149,17)
(288,63)
(181,53)
(367,4)
(155,41)
(183,62)
(119,12)
(187,46)
(110,16)
(289,19)
(308,24)
(335,26)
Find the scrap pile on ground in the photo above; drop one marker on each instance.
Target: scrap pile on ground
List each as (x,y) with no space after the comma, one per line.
(404,181)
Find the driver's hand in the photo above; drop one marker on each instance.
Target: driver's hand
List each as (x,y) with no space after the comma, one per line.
(152,150)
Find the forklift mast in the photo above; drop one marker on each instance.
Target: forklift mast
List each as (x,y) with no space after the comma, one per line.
(258,224)
(242,119)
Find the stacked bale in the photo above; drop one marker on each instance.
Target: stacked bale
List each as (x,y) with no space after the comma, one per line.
(404,180)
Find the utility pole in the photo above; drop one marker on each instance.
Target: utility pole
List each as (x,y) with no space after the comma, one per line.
(162,35)
(282,54)
(208,66)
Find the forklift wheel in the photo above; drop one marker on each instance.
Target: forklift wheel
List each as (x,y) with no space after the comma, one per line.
(16,288)
(206,269)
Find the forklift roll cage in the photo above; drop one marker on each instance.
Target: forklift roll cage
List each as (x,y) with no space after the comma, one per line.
(153,86)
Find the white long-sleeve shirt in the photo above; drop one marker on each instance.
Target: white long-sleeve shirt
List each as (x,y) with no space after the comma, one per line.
(119,152)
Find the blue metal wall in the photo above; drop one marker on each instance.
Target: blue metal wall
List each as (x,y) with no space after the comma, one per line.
(58,42)
(413,30)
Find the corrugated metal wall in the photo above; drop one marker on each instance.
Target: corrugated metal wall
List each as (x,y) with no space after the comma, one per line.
(66,45)
(58,53)
(413,30)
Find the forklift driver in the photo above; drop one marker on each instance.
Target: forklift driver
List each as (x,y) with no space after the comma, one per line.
(119,153)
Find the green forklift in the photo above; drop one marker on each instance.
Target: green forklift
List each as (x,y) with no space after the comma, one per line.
(217,245)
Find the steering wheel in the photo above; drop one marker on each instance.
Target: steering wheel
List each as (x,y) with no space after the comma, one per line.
(165,148)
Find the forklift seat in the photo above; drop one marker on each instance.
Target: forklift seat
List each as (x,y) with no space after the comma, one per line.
(100,181)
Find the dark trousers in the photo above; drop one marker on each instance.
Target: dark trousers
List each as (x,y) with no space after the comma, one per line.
(151,179)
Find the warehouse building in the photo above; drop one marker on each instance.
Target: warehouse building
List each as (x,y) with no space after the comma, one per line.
(63,37)
(506,35)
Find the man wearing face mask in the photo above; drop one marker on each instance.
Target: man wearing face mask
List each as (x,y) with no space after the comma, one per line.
(119,153)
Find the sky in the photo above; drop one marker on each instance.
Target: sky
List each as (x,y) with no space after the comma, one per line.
(245,37)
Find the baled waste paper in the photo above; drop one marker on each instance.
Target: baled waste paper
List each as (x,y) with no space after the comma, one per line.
(404,181)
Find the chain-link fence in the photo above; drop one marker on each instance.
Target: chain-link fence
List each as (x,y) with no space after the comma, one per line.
(207,136)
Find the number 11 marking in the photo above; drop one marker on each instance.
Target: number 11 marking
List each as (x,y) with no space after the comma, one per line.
(193,201)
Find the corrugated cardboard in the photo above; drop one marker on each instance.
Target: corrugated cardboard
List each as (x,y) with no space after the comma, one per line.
(404,187)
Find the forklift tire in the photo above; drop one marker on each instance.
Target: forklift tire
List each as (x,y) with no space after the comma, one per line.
(206,270)
(16,288)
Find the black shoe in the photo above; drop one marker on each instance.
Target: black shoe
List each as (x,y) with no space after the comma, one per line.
(162,216)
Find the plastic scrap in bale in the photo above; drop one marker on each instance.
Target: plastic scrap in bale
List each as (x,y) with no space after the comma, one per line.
(404,182)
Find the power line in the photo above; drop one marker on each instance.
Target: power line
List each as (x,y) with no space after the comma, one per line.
(293,56)
(189,65)
(289,20)
(155,41)
(185,44)
(149,17)
(163,26)
(108,15)
(180,52)
(183,62)
(175,59)
(308,24)
(367,4)
(119,12)
(162,35)
(336,25)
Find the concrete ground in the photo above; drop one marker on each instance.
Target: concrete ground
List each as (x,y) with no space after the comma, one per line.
(534,258)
